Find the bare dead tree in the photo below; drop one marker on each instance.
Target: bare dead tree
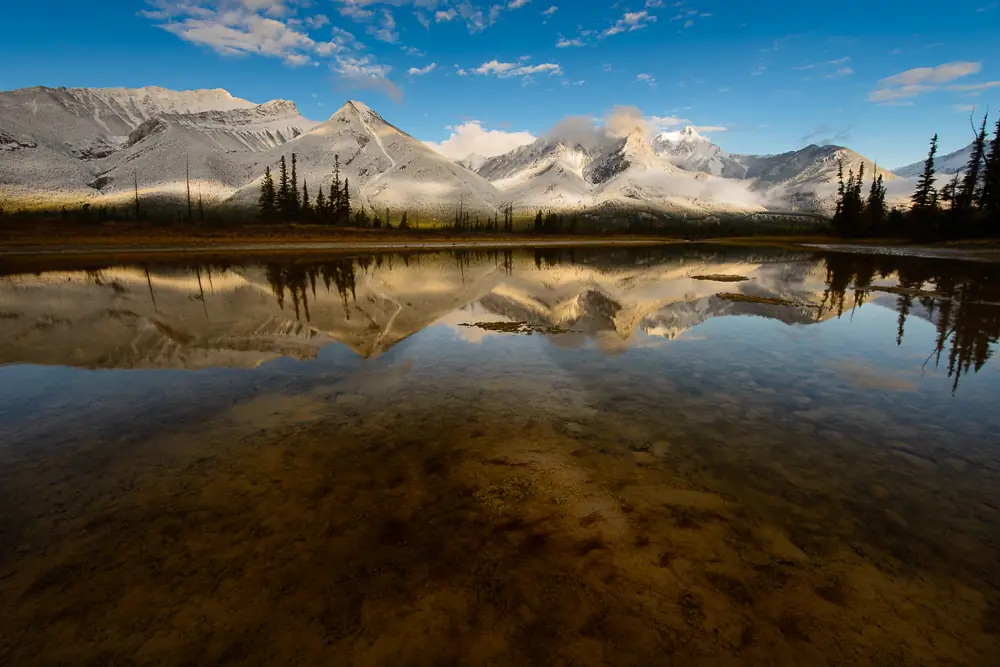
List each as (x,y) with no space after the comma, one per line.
(187,177)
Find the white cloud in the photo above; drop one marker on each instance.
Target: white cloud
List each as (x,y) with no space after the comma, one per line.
(471,139)
(759,71)
(920,80)
(517,4)
(646,78)
(630,22)
(362,72)
(930,75)
(444,16)
(420,71)
(551,10)
(974,88)
(964,107)
(565,42)
(706,129)
(506,70)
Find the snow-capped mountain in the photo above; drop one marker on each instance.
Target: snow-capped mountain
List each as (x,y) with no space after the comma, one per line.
(63,145)
(952,163)
(691,151)
(69,147)
(385,167)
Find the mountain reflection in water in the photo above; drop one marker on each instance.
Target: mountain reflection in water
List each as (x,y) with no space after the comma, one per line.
(180,315)
(525,457)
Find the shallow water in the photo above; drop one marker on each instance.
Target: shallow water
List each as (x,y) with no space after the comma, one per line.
(562,456)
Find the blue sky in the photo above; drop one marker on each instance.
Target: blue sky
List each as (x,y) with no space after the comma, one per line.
(877,77)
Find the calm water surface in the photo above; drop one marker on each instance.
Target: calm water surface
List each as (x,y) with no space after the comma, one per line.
(552,457)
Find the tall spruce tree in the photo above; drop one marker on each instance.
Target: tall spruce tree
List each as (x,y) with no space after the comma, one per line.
(925,197)
(321,203)
(345,201)
(336,194)
(284,193)
(294,191)
(875,206)
(305,198)
(989,200)
(968,193)
(266,201)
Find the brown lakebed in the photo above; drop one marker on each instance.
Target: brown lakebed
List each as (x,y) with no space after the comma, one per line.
(317,461)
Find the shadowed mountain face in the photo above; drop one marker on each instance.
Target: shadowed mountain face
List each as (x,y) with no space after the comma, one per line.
(243,314)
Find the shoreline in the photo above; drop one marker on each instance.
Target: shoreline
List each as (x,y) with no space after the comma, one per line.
(148,243)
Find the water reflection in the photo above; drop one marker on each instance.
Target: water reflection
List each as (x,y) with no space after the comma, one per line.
(961,299)
(195,315)
(655,475)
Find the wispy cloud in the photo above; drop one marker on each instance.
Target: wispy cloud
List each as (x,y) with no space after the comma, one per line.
(420,71)
(646,78)
(565,42)
(630,22)
(920,80)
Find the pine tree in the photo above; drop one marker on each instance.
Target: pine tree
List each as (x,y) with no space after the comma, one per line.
(294,191)
(305,198)
(345,201)
(875,206)
(840,191)
(266,201)
(320,203)
(336,195)
(925,197)
(989,200)
(538,221)
(283,192)
(968,194)
(402,222)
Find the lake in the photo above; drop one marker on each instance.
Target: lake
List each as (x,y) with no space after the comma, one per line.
(673,455)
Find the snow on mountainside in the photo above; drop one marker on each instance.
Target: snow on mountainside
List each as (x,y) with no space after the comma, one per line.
(689,150)
(70,146)
(61,145)
(952,163)
(385,167)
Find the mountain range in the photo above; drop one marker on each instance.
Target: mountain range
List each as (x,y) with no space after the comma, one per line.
(70,146)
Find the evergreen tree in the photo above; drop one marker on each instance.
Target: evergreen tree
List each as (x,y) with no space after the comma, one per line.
(283,191)
(875,206)
(345,201)
(266,201)
(336,205)
(305,198)
(402,223)
(320,203)
(989,200)
(294,192)
(538,221)
(840,191)
(925,197)
(968,194)
(949,191)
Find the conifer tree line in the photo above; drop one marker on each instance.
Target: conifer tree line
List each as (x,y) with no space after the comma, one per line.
(966,206)
(284,200)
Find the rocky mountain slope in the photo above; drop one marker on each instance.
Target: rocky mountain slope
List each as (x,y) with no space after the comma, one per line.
(69,147)
(385,167)
(952,163)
